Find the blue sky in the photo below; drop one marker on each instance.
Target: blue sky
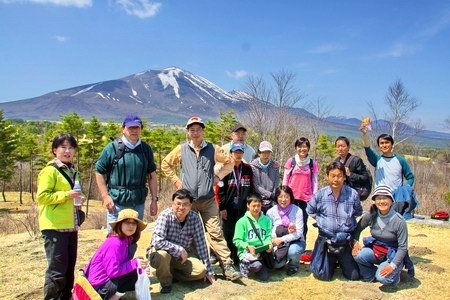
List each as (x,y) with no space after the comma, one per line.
(346,52)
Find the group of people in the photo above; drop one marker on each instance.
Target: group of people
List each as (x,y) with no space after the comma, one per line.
(228,203)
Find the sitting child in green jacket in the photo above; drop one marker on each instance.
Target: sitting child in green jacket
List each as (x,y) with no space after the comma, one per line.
(252,237)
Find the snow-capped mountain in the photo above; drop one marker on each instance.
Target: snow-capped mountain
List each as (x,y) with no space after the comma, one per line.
(160,95)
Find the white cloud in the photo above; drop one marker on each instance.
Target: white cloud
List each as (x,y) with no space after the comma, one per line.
(330,71)
(237,74)
(75,3)
(327,48)
(140,8)
(61,38)
(435,27)
(400,49)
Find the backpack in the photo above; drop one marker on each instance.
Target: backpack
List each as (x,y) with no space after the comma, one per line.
(365,189)
(311,166)
(119,153)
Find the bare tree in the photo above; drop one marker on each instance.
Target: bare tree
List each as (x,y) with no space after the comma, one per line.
(269,110)
(400,106)
(321,110)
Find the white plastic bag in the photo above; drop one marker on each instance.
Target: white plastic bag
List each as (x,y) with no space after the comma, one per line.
(142,285)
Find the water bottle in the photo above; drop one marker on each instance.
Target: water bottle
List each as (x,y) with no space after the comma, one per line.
(78,201)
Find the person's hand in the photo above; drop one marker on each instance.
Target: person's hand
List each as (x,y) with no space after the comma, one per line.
(178,184)
(292,228)
(270,248)
(277,241)
(153,208)
(356,248)
(223,214)
(347,171)
(108,203)
(143,263)
(251,250)
(363,128)
(183,256)
(74,194)
(386,271)
(210,278)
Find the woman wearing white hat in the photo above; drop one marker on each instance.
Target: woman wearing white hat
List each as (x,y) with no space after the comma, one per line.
(111,272)
(387,246)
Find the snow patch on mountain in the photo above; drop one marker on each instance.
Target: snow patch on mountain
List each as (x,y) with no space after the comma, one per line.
(167,78)
(83,90)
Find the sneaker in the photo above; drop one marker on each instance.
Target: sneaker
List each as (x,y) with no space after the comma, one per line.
(291,270)
(166,289)
(411,273)
(230,272)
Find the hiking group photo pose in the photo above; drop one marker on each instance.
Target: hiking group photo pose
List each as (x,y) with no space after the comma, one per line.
(231,204)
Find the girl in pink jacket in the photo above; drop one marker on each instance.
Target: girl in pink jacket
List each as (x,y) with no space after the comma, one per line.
(301,174)
(111,271)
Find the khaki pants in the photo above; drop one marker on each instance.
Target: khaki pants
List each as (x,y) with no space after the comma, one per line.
(168,267)
(209,211)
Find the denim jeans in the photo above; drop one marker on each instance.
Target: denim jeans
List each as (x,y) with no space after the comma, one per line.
(296,249)
(367,262)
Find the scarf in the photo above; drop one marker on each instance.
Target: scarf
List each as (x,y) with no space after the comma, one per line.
(302,162)
(284,214)
(264,167)
(129,144)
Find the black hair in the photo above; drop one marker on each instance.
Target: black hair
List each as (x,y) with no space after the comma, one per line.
(385,136)
(301,141)
(342,138)
(336,165)
(287,190)
(61,138)
(182,194)
(254,198)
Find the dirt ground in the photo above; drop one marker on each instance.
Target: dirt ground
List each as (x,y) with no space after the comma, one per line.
(22,266)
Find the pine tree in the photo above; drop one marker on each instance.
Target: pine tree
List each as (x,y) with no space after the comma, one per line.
(8,146)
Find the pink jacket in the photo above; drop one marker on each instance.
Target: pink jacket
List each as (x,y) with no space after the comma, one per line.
(300,180)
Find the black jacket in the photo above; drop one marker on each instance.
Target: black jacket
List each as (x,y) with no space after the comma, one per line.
(228,191)
(359,175)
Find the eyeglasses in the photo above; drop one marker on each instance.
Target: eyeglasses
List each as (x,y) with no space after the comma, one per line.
(181,204)
(130,223)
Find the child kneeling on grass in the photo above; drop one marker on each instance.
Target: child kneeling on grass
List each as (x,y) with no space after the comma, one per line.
(252,238)
(111,271)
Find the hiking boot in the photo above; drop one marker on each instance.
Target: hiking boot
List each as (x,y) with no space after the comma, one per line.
(291,270)
(411,273)
(230,272)
(166,289)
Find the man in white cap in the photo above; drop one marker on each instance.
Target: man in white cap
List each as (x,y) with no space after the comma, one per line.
(197,159)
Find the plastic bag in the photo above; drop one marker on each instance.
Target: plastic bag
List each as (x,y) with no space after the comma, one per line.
(142,286)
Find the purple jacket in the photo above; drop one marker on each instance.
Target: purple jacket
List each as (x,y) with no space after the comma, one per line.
(110,261)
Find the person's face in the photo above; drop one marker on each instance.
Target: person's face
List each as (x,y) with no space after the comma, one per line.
(385,146)
(132,133)
(181,208)
(237,156)
(254,208)
(336,179)
(265,155)
(342,148)
(239,136)
(195,132)
(64,152)
(302,150)
(383,203)
(128,227)
(284,199)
